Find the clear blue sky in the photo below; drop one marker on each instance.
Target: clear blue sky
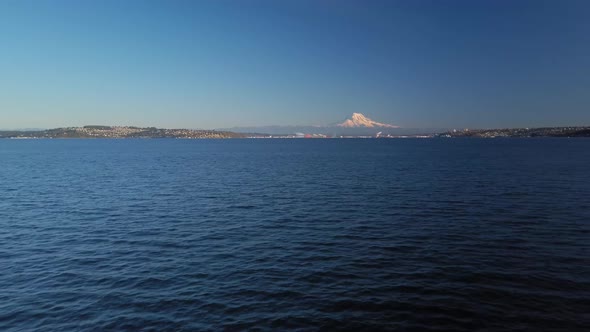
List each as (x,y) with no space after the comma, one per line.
(210,64)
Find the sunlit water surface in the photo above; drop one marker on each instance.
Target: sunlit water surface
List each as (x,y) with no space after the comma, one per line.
(404,235)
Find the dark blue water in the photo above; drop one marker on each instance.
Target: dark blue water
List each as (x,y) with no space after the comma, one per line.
(405,235)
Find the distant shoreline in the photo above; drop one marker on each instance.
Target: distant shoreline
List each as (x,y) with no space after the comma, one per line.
(128,132)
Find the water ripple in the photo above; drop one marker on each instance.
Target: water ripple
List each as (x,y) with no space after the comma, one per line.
(401,235)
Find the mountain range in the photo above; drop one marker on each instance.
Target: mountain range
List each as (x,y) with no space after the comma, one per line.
(358,124)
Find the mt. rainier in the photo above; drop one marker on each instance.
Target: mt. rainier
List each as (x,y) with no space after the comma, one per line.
(358,120)
(356,125)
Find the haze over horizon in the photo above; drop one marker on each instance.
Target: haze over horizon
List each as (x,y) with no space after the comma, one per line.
(222,64)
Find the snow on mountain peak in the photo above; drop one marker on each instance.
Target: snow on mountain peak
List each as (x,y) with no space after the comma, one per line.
(359,120)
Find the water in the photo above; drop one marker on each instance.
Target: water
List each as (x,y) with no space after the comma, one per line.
(405,235)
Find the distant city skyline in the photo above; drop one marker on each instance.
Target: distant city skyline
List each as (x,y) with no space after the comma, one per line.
(223,64)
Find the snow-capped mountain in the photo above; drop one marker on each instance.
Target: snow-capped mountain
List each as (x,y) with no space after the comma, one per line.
(358,120)
(357,125)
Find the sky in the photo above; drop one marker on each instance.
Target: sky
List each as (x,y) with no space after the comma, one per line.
(219,64)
